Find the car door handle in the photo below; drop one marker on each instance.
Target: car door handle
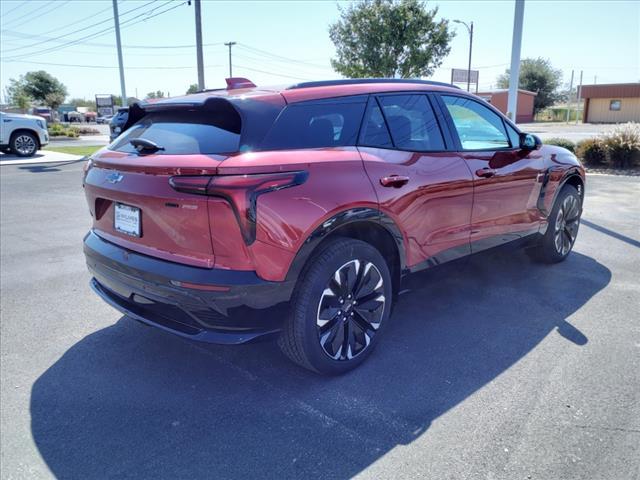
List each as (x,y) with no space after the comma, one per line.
(7,120)
(485,172)
(395,181)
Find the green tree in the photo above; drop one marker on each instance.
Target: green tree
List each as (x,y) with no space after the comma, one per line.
(54,100)
(156,94)
(117,100)
(81,102)
(383,38)
(22,101)
(537,75)
(36,85)
(193,88)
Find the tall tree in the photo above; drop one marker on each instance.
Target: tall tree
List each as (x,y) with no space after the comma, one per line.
(35,85)
(537,75)
(383,38)
(54,100)
(156,94)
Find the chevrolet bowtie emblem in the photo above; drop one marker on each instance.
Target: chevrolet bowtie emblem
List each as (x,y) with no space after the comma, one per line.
(114,177)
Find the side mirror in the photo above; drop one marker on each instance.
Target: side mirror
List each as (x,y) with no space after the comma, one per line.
(529,141)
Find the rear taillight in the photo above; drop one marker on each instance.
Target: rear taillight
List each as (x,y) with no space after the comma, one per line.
(241,191)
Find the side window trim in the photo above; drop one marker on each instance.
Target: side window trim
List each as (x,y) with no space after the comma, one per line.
(438,119)
(454,132)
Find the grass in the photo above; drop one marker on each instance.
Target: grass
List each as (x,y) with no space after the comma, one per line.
(75,150)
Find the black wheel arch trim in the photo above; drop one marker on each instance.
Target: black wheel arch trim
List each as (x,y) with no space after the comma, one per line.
(342,219)
(568,175)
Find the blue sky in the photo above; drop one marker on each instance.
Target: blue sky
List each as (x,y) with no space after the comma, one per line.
(287,41)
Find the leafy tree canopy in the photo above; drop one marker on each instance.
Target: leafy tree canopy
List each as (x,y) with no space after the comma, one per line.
(537,75)
(36,86)
(156,94)
(193,88)
(383,38)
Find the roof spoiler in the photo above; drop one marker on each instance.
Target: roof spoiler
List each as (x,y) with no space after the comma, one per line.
(239,82)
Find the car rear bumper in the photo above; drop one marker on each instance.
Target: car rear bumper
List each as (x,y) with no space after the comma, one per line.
(207,305)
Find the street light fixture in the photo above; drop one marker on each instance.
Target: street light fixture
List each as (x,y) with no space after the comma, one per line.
(470,30)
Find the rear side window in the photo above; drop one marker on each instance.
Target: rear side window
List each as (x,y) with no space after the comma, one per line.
(374,130)
(412,122)
(478,127)
(316,125)
(183,133)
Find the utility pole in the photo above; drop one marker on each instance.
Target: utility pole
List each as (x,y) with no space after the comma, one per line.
(578,96)
(230,44)
(516,44)
(199,54)
(116,20)
(470,30)
(569,98)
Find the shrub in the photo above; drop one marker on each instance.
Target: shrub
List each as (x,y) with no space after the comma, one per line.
(87,130)
(561,142)
(60,130)
(623,145)
(592,151)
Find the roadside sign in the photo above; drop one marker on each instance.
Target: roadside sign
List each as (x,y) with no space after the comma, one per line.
(104,105)
(459,75)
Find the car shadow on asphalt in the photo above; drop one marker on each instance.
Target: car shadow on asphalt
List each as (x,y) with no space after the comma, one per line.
(131,401)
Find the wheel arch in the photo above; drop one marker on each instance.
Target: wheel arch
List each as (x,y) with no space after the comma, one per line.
(20,130)
(366,224)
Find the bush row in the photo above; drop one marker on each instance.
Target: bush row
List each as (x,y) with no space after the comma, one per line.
(59,130)
(618,149)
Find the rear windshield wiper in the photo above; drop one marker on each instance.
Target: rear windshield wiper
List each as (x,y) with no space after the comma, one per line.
(143,146)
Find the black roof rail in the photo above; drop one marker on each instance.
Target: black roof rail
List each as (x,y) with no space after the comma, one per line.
(355,81)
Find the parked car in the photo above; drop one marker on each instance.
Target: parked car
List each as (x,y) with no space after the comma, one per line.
(316,199)
(104,120)
(22,135)
(117,122)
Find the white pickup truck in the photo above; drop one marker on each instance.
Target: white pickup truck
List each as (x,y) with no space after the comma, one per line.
(22,135)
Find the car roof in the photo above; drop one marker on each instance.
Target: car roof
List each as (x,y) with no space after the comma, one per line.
(306,91)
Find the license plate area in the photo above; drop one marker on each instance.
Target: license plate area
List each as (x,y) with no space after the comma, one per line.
(127,219)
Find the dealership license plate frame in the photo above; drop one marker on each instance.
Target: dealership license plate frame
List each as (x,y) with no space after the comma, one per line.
(129,221)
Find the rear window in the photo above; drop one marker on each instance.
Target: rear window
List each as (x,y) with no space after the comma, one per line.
(316,125)
(183,133)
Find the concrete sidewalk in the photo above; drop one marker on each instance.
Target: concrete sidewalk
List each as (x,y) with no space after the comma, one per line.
(42,156)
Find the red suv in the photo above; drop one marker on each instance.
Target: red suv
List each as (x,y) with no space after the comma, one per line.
(316,200)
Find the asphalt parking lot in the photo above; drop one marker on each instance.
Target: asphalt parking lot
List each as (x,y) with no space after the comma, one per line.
(493,367)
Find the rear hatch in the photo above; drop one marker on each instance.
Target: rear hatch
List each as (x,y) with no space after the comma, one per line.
(128,190)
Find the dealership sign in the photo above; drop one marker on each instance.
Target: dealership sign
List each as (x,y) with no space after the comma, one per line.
(104,105)
(459,75)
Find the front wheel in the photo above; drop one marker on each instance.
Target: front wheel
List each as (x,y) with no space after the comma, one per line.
(24,144)
(340,307)
(564,221)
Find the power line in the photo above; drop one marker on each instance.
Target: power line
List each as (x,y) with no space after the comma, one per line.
(30,19)
(110,45)
(264,52)
(164,67)
(13,9)
(51,39)
(32,11)
(272,73)
(127,23)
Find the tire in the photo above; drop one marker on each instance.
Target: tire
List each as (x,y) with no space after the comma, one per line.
(328,331)
(562,231)
(24,144)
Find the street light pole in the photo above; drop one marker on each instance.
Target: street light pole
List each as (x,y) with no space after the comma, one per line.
(116,20)
(514,72)
(199,54)
(470,30)
(230,44)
